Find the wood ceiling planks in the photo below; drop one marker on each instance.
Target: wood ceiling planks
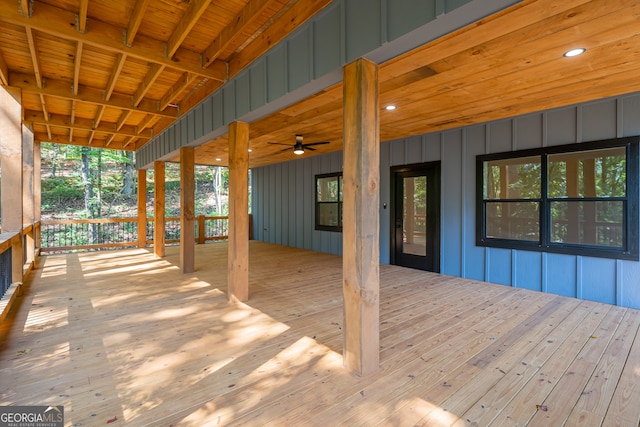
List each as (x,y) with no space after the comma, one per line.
(122,64)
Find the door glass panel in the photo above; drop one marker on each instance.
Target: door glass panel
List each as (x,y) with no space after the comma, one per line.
(415,216)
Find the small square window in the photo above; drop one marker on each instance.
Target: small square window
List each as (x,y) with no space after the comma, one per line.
(329,202)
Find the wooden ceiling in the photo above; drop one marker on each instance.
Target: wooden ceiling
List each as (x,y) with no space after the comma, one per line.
(113,73)
(83,84)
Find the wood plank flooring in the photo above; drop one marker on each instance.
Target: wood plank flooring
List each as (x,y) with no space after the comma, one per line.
(123,338)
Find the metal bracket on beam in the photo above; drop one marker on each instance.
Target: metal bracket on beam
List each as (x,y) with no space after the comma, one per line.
(78,25)
(26,13)
(124,38)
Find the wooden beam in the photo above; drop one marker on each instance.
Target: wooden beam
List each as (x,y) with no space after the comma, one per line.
(143,125)
(361,222)
(135,20)
(121,58)
(187,210)
(60,89)
(98,118)
(82,16)
(238,259)
(4,71)
(122,120)
(295,16)
(149,79)
(11,151)
(33,50)
(76,68)
(25,7)
(251,11)
(61,23)
(185,80)
(142,208)
(193,13)
(43,106)
(158,208)
(36,117)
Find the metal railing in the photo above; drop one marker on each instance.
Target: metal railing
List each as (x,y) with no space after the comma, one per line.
(110,233)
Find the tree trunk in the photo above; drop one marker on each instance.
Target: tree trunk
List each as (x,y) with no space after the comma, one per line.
(87,183)
(127,173)
(217,178)
(54,160)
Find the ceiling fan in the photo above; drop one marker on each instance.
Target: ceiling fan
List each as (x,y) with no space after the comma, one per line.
(299,147)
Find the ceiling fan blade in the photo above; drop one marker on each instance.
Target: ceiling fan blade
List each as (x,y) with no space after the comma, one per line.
(316,143)
(280,143)
(309,148)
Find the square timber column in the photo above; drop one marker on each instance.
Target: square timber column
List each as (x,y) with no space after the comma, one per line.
(187,210)
(37,190)
(238,262)
(158,208)
(11,158)
(28,208)
(361,218)
(142,208)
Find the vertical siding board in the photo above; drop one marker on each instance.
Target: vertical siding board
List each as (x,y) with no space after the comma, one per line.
(363,26)
(299,58)
(562,126)
(199,117)
(407,15)
(599,120)
(630,272)
(217,114)
(327,40)
(451,205)
(293,212)
(300,218)
(528,270)
(229,103)
(562,275)
(454,4)
(501,136)
(599,280)
(276,74)
(397,153)
(385,197)
(433,147)
(413,150)
(279,204)
(243,94)
(309,200)
(257,82)
(500,266)
(529,131)
(474,255)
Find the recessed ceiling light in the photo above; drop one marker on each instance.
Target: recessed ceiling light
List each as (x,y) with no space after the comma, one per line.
(390,107)
(575,52)
(218,159)
(250,150)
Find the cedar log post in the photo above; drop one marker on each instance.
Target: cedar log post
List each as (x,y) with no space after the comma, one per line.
(238,263)
(158,208)
(361,218)
(187,209)
(142,208)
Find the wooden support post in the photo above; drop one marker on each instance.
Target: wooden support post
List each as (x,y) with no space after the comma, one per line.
(158,208)
(28,208)
(238,274)
(187,210)
(11,155)
(361,218)
(142,208)
(37,190)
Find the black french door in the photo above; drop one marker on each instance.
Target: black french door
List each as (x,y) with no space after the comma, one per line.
(415,218)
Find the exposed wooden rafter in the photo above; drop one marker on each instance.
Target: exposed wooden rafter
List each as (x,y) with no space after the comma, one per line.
(89,142)
(37,118)
(139,8)
(115,73)
(56,22)
(82,16)
(123,119)
(194,11)
(33,49)
(185,80)
(76,68)
(152,75)
(60,89)
(249,13)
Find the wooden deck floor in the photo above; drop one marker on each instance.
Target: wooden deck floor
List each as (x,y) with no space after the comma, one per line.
(121,338)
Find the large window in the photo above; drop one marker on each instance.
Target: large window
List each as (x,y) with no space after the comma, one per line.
(577,199)
(329,202)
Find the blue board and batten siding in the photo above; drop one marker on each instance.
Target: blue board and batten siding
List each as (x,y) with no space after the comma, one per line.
(283,201)
(311,59)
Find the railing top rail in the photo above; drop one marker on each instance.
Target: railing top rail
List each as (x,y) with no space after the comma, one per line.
(7,240)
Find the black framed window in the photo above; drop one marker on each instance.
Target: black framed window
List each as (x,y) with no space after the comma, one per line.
(577,199)
(329,202)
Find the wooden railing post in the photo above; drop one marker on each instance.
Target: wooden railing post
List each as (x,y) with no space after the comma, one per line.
(201,230)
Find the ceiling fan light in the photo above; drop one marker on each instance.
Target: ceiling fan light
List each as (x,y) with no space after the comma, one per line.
(298,151)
